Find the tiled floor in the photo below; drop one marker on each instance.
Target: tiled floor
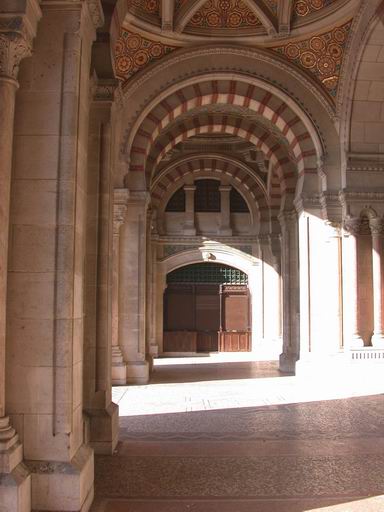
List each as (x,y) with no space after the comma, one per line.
(232,435)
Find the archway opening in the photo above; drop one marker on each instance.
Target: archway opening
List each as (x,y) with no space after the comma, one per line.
(207,308)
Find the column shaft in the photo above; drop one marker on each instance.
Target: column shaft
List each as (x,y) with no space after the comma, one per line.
(189,220)
(377,229)
(132,288)
(225,214)
(352,227)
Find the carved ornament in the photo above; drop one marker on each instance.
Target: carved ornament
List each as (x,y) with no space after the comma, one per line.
(13,48)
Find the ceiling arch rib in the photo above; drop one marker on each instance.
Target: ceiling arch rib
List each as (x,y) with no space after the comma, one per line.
(273,151)
(190,8)
(268,107)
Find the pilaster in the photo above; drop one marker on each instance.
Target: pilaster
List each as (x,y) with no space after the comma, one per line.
(377,230)
(119,367)
(17,30)
(132,288)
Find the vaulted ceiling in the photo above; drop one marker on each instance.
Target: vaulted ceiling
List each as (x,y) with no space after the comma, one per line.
(309,34)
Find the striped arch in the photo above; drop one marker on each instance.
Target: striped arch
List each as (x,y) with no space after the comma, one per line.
(231,169)
(274,108)
(274,151)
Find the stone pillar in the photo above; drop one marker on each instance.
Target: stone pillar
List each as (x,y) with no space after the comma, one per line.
(15,44)
(352,227)
(132,288)
(377,229)
(119,368)
(45,300)
(225,214)
(101,411)
(291,297)
(189,220)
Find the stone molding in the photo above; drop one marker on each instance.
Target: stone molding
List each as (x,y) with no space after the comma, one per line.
(104,90)
(365,162)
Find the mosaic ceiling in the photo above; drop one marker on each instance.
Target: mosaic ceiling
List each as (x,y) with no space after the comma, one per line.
(229,14)
(321,56)
(133,52)
(302,8)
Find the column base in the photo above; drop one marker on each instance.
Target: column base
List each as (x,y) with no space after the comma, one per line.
(377,341)
(225,231)
(138,372)
(119,368)
(189,231)
(64,486)
(287,363)
(15,490)
(154,350)
(104,429)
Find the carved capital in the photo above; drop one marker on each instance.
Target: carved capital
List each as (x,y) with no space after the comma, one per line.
(377,226)
(353,225)
(120,198)
(333,229)
(13,48)
(96,12)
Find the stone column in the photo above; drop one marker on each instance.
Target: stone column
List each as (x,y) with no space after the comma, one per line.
(225,214)
(132,288)
(15,481)
(102,413)
(189,219)
(45,299)
(119,368)
(377,230)
(352,227)
(291,296)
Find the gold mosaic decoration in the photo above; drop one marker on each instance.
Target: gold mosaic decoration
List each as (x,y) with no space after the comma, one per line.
(217,14)
(321,56)
(147,6)
(302,8)
(133,52)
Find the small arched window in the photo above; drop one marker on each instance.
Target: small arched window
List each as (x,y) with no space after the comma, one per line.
(207,196)
(177,201)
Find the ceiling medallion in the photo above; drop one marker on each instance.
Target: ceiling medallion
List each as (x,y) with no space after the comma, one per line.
(321,56)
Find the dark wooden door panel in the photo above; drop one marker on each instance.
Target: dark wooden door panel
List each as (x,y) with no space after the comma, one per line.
(235,342)
(236,309)
(207,341)
(180,341)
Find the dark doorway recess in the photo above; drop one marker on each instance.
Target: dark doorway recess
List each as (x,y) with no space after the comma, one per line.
(207,309)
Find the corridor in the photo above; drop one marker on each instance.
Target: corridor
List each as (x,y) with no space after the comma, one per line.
(227,433)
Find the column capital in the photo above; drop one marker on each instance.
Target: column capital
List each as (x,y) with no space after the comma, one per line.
(189,188)
(225,188)
(13,48)
(376,226)
(120,199)
(96,12)
(333,228)
(352,225)
(17,31)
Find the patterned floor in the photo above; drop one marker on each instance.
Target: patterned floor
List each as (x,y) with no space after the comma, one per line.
(226,435)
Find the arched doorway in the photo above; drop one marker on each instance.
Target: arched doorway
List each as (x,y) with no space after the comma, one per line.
(207,309)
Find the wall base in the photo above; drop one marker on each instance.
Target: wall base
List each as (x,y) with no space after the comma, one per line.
(287,363)
(138,372)
(15,490)
(104,429)
(64,486)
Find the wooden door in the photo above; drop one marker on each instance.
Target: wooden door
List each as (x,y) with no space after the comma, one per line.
(235,333)
(207,304)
